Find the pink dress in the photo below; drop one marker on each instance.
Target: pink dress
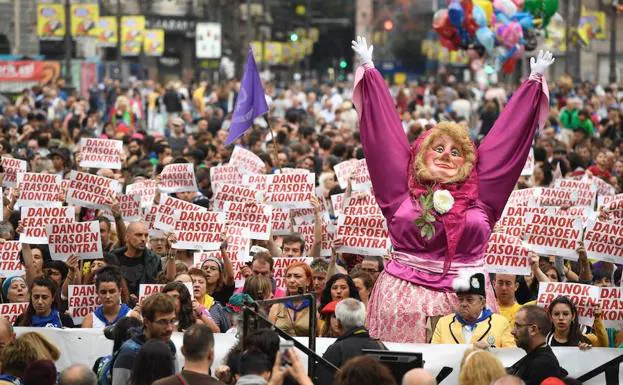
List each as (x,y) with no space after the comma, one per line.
(413,286)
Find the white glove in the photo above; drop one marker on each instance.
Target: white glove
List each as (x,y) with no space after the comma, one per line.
(542,61)
(363,51)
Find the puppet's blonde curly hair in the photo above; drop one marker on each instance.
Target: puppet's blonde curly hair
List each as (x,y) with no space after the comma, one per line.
(460,135)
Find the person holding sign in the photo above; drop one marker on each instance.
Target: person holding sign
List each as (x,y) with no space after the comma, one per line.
(108,282)
(566,327)
(42,311)
(473,322)
(441,197)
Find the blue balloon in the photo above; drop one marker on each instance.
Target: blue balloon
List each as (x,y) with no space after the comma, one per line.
(456,14)
(524,19)
(479,15)
(486,37)
(500,17)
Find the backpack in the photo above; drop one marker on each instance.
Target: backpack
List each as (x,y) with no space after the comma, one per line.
(103,366)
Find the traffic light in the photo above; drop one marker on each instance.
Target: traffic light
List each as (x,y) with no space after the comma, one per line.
(388,25)
(343,64)
(294,37)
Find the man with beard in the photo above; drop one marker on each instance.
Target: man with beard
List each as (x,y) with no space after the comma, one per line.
(158,311)
(532,325)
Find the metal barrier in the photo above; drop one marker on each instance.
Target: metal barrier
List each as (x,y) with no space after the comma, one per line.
(610,369)
(251,313)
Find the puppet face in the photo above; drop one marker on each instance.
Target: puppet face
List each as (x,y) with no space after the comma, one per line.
(443,158)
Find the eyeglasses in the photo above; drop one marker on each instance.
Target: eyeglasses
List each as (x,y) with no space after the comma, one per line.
(519,326)
(166,322)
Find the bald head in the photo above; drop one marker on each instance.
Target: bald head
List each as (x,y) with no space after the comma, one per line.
(509,380)
(77,374)
(136,237)
(418,377)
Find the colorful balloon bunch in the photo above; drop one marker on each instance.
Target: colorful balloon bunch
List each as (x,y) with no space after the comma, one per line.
(503,29)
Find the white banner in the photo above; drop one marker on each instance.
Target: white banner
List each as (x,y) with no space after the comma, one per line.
(208,40)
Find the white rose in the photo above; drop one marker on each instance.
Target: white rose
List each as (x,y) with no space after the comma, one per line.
(442,201)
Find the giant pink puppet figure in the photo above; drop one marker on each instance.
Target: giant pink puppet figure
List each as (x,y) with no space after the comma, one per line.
(441,197)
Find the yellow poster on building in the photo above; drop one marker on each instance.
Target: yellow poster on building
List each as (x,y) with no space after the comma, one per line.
(107,31)
(132,35)
(50,21)
(84,20)
(591,26)
(273,52)
(154,42)
(256,47)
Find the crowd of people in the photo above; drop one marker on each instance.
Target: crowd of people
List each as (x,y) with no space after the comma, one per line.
(313,127)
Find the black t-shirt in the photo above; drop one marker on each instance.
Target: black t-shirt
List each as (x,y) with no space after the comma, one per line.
(224,294)
(133,270)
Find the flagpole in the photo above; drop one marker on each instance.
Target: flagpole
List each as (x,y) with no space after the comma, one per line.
(272,134)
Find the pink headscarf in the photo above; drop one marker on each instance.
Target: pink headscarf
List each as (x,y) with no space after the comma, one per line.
(464,193)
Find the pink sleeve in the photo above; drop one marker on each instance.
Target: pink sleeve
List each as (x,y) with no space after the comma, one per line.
(383,139)
(503,152)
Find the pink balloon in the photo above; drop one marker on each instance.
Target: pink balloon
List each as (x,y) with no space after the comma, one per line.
(519,52)
(519,4)
(511,34)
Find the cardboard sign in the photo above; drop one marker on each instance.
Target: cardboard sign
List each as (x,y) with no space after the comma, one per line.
(612,307)
(290,190)
(164,216)
(146,189)
(12,167)
(557,197)
(100,153)
(256,182)
(361,177)
(365,235)
(256,217)
(512,221)
(198,230)
(9,259)
(150,218)
(201,256)
(306,230)
(528,168)
(36,219)
(147,289)
(343,172)
(89,190)
(11,311)
(303,215)
(548,234)
(280,221)
(337,202)
(584,297)
(614,211)
(75,238)
(607,199)
(238,244)
(130,206)
(586,191)
(40,190)
(232,193)
(178,177)
(604,241)
(362,204)
(246,161)
(280,266)
(506,254)
(523,197)
(82,299)
(220,175)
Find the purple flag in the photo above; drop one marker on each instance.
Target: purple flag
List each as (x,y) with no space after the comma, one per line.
(251,101)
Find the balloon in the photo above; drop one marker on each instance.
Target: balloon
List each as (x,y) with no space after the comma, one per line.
(439,18)
(550,7)
(486,37)
(500,17)
(479,16)
(511,34)
(509,66)
(456,14)
(519,52)
(525,19)
(486,6)
(519,3)
(506,6)
(448,43)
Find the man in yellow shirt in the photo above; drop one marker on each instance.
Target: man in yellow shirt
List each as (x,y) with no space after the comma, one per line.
(505,286)
(473,323)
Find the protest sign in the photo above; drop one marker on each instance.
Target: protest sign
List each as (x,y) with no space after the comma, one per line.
(557,197)
(246,161)
(280,220)
(255,181)
(614,212)
(256,217)
(603,188)
(362,204)
(178,177)
(607,199)
(548,234)
(528,168)
(146,189)
(290,170)
(363,235)
(604,241)
(150,218)
(82,299)
(506,254)
(512,221)
(164,216)
(343,172)
(612,307)
(290,190)
(523,197)
(75,238)
(35,221)
(306,230)
(147,289)
(303,215)
(130,206)
(238,243)
(281,264)
(11,311)
(232,193)
(9,259)
(100,153)
(586,191)
(584,297)
(198,230)
(40,190)
(360,180)
(12,167)
(224,174)
(91,191)
(200,256)
(337,202)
